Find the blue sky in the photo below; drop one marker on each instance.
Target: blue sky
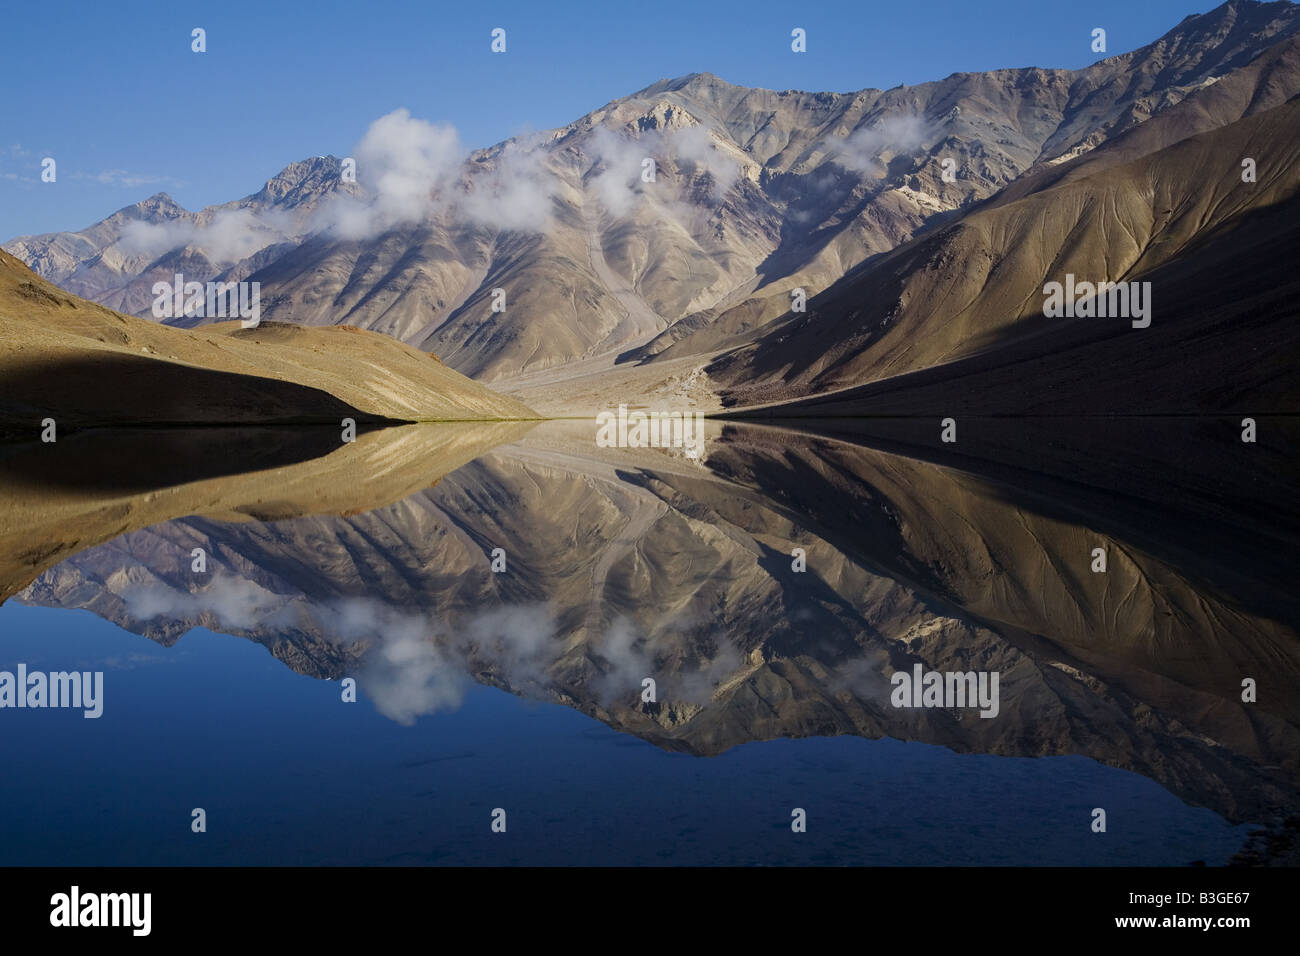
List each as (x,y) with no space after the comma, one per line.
(115,95)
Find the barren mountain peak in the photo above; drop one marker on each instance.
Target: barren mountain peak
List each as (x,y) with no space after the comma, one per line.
(156,207)
(689,81)
(300,179)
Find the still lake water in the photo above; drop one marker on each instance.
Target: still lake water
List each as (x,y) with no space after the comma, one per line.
(521,689)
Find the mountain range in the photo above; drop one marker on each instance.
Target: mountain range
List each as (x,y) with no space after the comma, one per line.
(652,250)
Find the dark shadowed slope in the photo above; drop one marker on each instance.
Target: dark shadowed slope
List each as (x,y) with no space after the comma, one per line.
(82,364)
(953,323)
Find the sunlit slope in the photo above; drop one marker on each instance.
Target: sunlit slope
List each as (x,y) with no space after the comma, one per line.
(83,364)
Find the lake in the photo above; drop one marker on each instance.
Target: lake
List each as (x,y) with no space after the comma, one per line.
(506,644)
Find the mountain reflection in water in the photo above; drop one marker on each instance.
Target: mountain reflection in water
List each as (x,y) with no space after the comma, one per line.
(374,561)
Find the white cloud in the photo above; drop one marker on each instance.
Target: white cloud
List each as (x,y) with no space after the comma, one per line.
(404,165)
(897,135)
(233,603)
(235,234)
(412,171)
(406,675)
(618,184)
(119,177)
(409,669)
(629,659)
(517,193)
(409,666)
(695,145)
(152,239)
(627,663)
(227,237)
